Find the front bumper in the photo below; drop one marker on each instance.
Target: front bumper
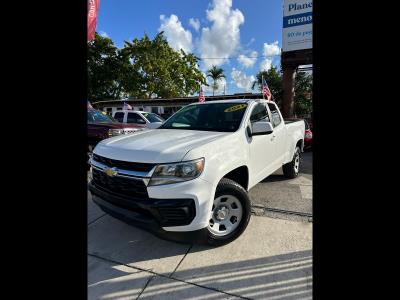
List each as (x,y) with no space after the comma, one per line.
(132,218)
(170,211)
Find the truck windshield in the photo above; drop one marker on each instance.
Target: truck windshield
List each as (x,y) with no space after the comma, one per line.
(223,117)
(95,116)
(153,118)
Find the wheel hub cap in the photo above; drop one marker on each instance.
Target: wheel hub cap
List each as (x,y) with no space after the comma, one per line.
(225,215)
(221,213)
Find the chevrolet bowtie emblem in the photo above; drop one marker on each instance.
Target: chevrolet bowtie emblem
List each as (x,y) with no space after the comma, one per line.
(111,171)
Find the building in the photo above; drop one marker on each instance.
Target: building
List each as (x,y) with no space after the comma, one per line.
(163,107)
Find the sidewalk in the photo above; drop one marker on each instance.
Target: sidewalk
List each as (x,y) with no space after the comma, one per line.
(271,260)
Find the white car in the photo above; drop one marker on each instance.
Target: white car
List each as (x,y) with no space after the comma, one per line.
(192,174)
(148,120)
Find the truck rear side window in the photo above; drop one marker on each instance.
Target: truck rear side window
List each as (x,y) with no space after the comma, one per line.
(119,116)
(134,118)
(276,118)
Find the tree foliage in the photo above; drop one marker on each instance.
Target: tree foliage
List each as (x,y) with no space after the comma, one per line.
(143,68)
(302,89)
(104,69)
(303,93)
(273,77)
(216,74)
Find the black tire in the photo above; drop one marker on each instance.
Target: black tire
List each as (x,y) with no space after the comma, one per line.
(230,187)
(289,169)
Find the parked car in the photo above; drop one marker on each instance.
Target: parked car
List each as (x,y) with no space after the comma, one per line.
(149,120)
(102,126)
(193,174)
(308,136)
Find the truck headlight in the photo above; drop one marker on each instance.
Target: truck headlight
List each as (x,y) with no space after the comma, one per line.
(115,132)
(178,172)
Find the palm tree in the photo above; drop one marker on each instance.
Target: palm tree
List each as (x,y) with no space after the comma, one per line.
(216,74)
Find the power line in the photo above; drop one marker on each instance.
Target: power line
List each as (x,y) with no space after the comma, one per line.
(260,56)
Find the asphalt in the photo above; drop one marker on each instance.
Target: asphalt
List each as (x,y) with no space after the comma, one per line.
(272,259)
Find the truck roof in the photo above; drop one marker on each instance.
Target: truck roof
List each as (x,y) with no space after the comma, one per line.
(130,110)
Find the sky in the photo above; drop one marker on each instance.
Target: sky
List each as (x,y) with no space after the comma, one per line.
(248,32)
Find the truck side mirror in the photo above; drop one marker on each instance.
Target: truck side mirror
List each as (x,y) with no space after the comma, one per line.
(261,128)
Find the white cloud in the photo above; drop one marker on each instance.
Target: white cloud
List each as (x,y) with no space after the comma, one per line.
(250,42)
(177,37)
(242,80)
(223,37)
(271,49)
(195,23)
(248,61)
(266,64)
(103,34)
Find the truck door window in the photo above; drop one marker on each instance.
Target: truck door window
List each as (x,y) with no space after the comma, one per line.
(132,118)
(276,118)
(259,113)
(119,116)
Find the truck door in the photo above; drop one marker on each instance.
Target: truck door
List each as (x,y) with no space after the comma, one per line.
(261,147)
(279,134)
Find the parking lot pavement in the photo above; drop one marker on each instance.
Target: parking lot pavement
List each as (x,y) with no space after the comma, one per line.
(272,259)
(108,280)
(94,212)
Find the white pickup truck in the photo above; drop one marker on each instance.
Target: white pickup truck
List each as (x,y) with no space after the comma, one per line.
(190,177)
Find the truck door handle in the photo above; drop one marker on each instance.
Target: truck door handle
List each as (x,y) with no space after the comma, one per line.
(273,137)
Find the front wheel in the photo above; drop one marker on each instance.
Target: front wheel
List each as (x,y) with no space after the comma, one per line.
(230,213)
(291,169)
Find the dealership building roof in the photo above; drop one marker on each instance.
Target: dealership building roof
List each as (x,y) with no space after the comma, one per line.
(172,101)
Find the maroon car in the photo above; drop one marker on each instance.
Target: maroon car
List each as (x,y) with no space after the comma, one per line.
(101,126)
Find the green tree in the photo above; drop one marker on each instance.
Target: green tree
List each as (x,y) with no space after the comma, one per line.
(216,74)
(303,93)
(302,89)
(273,77)
(106,69)
(163,72)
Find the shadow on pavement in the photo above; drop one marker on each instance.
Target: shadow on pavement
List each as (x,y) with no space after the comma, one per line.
(286,276)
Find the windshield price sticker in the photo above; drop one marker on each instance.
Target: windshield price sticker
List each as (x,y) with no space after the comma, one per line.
(235,108)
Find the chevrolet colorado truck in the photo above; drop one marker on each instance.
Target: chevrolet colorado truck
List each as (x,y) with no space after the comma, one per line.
(190,177)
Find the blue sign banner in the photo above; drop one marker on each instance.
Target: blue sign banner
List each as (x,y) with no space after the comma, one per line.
(297,20)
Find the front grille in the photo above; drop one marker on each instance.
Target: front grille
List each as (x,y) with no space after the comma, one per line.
(119,186)
(124,165)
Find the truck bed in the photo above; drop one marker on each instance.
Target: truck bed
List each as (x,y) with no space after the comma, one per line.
(288,121)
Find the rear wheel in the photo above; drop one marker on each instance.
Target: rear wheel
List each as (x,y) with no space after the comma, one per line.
(291,170)
(229,214)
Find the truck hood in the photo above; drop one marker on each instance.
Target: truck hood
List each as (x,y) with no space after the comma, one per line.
(155,145)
